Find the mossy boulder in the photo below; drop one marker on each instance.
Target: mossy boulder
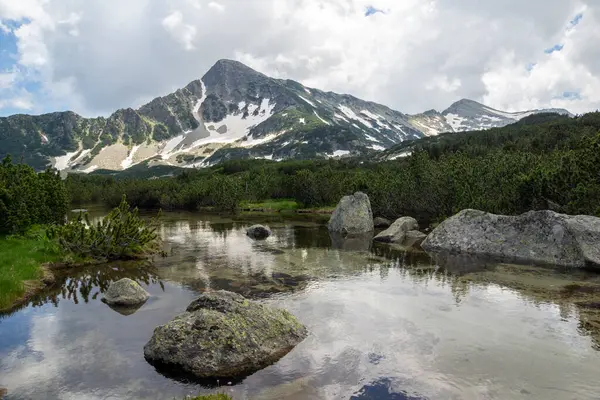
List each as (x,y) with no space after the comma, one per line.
(223,335)
(258,232)
(125,292)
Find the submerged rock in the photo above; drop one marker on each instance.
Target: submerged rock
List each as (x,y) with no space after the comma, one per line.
(536,236)
(353,242)
(125,292)
(352,215)
(396,233)
(258,232)
(381,222)
(222,335)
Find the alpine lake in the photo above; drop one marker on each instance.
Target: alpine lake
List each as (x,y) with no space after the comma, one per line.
(383,323)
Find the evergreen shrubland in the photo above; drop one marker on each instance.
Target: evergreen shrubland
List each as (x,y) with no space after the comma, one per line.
(544,161)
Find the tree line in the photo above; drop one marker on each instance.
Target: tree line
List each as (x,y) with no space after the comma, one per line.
(544,161)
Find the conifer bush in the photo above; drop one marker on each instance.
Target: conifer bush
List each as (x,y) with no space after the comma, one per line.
(121,235)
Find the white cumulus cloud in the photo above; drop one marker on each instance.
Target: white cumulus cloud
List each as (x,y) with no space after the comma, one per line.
(96,56)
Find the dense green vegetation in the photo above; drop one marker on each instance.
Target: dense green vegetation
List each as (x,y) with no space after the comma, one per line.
(28,198)
(33,230)
(544,161)
(121,235)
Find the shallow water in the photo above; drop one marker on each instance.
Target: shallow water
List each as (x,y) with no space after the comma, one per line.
(383,324)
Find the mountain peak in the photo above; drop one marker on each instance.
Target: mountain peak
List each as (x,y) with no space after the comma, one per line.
(224,68)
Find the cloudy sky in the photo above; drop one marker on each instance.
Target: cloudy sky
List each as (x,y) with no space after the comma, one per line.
(94,56)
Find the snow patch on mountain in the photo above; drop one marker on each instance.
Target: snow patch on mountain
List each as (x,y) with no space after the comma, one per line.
(250,141)
(340,117)
(352,115)
(234,126)
(126,163)
(170,145)
(339,153)
(308,101)
(455,121)
(63,162)
(327,122)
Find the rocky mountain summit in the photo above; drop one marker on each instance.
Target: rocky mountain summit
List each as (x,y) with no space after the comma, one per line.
(232,112)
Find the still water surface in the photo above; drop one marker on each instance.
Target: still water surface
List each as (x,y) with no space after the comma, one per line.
(383,324)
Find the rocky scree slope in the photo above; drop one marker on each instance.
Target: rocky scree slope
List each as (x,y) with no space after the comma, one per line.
(232,112)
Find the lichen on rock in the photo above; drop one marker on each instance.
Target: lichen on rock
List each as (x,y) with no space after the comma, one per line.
(353,215)
(222,335)
(125,292)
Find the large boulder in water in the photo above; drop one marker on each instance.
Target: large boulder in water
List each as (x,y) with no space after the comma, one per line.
(544,237)
(258,232)
(125,292)
(223,335)
(352,215)
(396,233)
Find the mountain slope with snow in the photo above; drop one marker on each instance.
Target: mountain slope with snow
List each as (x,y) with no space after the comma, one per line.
(233,111)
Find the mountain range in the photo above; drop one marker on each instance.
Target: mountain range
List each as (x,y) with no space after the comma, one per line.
(232,112)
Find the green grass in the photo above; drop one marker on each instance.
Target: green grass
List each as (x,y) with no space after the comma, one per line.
(271,205)
(21,258)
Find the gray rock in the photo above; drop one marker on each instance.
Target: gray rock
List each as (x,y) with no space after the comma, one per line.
(258,232)
(397,231)
(536,236)
(222,335)
(381,222)
(125,292)
(352,215)
(414,239)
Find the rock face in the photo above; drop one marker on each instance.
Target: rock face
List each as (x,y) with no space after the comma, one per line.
(258,232)
(397,231)
(381,222)
(352,215)
(125,292)
(222,335)
(536,236)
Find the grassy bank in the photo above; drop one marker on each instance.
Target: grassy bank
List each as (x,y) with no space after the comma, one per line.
(21,260)
(282,206)
(278,205)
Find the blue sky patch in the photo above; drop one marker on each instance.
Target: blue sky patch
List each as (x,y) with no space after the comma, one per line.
(575,21)
(531,66)
(571,95)
(556,47)
(372,10)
